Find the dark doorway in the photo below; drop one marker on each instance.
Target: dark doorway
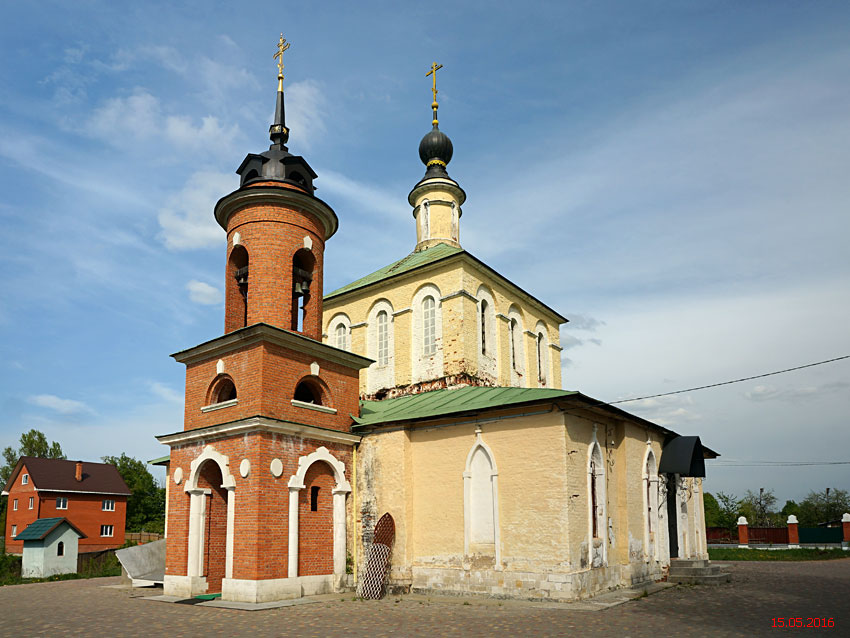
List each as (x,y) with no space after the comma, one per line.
(672,516)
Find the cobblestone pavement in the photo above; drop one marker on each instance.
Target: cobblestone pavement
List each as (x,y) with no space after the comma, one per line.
(759,592)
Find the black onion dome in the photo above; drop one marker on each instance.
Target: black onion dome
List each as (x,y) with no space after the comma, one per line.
(435,148)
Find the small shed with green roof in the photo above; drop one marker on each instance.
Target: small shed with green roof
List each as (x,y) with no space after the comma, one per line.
(51,547)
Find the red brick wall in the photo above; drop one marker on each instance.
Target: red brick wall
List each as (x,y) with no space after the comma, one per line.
(215,532)
(315,529)
(261,548)
(84,510)
(265,376)
(272,234)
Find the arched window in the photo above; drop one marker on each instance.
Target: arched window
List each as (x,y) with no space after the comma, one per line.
(341,336)
(60,549)
(429,326)
(222,389)
(302,276)
(596,476)
(383,338)
(307,392)
(483,326)
(226,391)
(650,478)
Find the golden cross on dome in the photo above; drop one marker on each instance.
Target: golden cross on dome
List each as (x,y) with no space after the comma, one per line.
(282,46)
(434,68)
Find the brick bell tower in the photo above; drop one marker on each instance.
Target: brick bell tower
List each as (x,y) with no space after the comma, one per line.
(259,476)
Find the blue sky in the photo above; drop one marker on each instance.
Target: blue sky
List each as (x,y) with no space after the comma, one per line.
(671,176)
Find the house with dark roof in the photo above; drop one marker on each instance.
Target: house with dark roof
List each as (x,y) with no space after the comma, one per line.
(91,496)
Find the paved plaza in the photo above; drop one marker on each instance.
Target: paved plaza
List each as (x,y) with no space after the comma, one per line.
(759,592)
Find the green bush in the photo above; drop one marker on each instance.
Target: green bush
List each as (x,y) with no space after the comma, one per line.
(10,569)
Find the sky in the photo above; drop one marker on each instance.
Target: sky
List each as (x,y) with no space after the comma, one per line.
(670,176)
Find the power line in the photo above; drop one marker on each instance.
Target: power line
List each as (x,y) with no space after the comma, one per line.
(715,385)
(777,463)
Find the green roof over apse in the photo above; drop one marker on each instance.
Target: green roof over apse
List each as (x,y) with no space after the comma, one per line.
(406,264)
(439,403)
(37,530)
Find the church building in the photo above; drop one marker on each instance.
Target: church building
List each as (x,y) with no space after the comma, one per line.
(426,395)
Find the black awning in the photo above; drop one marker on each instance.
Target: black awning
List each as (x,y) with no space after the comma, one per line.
(683,456)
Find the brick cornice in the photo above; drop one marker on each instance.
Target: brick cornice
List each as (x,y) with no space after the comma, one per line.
(275,196)
(265,333)
(258,424)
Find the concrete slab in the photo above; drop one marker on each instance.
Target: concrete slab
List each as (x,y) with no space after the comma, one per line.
(227,604)
(144,562)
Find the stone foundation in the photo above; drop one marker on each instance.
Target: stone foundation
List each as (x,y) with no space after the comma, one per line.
(528,585)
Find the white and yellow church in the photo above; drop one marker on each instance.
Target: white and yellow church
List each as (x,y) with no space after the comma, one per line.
(427,393)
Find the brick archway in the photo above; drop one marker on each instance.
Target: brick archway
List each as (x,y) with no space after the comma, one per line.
(340,489)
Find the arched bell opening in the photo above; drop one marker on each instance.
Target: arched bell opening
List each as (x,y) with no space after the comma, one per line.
(303,264)
(237,289)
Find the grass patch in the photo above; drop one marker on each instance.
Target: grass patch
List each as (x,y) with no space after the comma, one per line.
(804,553)
(105,564)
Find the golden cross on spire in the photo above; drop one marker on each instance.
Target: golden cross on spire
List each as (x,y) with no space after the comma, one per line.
(434,68)
(282,46)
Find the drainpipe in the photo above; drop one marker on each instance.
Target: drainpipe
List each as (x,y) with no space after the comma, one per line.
(354,505)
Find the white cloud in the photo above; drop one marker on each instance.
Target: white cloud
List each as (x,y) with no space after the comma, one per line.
(769,392)
(369,198)
(57,404)
(202,293)
(669,411)
(306,111)
(140,117)
(165,392)
(187,219)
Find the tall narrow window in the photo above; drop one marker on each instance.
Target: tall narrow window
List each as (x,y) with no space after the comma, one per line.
(314,498)
(383,338)
(541,375)
(16,505)
(426,222)
(649,506)
(429,326)
(60,549)
(32,502)
(237,296)
(483,326)
(341,337)
(594,505)
(512,329)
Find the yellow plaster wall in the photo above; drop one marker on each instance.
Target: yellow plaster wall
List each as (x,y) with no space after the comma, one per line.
(459,322)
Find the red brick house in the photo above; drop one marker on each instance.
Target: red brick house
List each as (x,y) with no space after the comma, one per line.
(92,496)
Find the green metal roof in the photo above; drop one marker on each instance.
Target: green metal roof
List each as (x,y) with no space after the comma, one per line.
(162,460)
(37,530)
(406,264)
(445,402)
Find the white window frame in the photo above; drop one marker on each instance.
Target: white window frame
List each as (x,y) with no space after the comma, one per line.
(107,531)
(108,505)
(15,505)
(426,365)
(14,531)
(383,337)
(429,326)
(340,338)
(31,503)
(25,479)
(61,502)
(516,351)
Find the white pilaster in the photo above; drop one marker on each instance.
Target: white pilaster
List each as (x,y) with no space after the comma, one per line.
(339,531)
(293,531)
(231,518)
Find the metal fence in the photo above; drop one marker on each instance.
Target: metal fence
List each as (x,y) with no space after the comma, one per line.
(821,534)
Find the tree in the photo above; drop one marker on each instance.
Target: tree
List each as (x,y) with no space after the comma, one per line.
(728,516)
(33,443)
(712,510)
(146,504)
(820,507)
(759,508)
